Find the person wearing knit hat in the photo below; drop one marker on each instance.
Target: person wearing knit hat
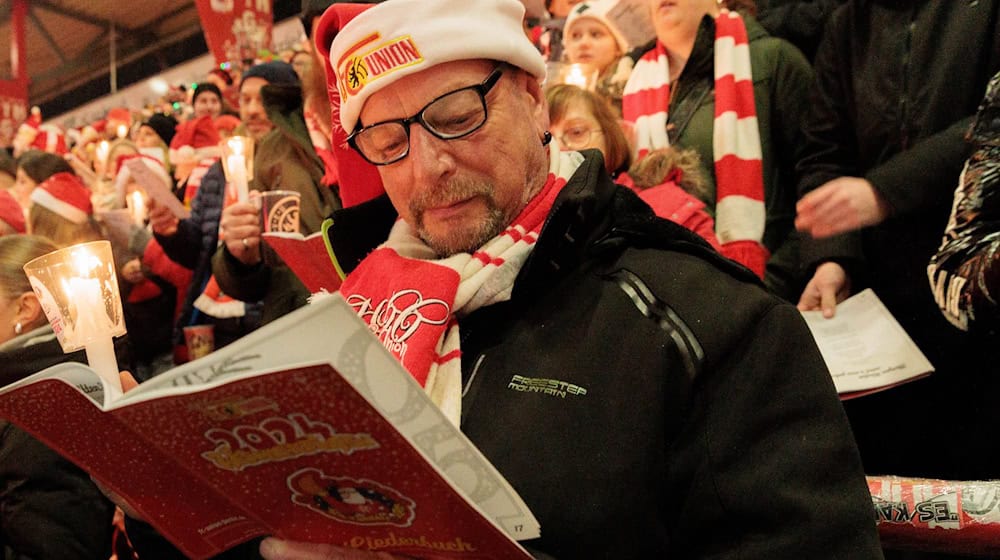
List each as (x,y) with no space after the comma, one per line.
(207,100)
(157,130)
(521,265)
(590,37)
(61,211)
(11,215)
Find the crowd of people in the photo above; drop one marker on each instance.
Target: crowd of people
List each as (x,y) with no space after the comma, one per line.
(650,234)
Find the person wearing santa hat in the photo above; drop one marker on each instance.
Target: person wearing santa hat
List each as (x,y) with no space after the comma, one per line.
(61,211)
(11,215)
(35,135)
(34,167)
(699,436)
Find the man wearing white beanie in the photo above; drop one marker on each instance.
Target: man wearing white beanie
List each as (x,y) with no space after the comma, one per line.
(645,396)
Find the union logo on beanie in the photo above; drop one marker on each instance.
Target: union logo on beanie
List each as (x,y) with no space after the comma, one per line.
(394,39)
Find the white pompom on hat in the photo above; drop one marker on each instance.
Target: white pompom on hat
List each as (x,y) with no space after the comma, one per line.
(598,10)
(397,38)
(65,194)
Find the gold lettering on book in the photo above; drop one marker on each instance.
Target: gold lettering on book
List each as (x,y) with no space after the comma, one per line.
(372,543)
(279,439)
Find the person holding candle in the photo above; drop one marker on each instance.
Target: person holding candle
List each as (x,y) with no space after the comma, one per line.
(285,159)
(48,507)
(709,60)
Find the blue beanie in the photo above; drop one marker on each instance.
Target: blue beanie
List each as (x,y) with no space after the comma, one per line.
(275,72)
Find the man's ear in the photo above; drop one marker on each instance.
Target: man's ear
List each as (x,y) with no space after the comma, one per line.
(536,98)
(29,310)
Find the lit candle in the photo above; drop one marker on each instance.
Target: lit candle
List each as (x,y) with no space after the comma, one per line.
(103,149)
(576,75)
(236,164)
(137,207)
(122,131)
(89,317)
(78,291)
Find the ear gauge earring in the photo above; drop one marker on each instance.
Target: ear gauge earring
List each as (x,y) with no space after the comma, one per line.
(546,138)
(18,328)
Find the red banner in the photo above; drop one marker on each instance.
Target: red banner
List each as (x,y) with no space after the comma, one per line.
(236,30)
(14,92)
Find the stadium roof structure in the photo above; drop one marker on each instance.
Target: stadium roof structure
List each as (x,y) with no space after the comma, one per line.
(77,48)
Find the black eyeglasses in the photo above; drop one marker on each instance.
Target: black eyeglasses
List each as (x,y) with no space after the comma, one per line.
(453,115)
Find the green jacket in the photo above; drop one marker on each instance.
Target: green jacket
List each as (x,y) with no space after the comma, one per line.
(284,159)
(782,78)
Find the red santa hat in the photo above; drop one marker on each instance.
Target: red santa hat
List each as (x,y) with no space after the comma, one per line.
(65,194)
(195,140)
(33,135)
(11,212)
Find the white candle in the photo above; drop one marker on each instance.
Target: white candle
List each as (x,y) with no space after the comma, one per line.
(122,131)
(238,176)
(137,206)
(102,156)
(92,325)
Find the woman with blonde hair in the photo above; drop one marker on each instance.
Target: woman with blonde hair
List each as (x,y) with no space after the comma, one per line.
(49,508)
(714,81)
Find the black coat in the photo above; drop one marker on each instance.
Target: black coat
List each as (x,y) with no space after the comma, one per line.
(649,399)
(49,508)
(898,82)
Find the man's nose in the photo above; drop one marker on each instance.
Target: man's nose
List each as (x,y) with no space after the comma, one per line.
(432,156)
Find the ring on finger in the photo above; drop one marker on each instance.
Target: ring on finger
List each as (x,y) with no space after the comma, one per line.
(245,244)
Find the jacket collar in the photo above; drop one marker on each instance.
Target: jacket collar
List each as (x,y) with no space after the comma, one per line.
(576,214)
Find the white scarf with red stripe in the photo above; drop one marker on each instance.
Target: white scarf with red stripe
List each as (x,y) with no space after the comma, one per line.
(739,208)
(411,299)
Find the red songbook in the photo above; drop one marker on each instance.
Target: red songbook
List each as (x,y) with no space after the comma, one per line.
(306,429)
(308,257)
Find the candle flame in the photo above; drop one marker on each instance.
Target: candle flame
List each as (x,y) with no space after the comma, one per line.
(122,131)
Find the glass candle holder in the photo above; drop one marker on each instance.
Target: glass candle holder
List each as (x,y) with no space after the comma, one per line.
(78,291)
(237,162)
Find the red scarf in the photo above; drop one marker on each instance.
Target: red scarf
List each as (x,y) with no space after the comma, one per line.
(740,214)
(410,298)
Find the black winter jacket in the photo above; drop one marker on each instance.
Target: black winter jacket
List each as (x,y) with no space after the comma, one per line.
(49,508)
(897,84)
(648,399)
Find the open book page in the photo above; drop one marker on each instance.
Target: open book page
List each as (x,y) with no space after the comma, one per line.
(330,331)
(57,412)
(864,347)
(266,443)
(156,188)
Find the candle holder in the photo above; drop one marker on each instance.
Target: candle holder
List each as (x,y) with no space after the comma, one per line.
(237,162)
(580,75)
(78,290)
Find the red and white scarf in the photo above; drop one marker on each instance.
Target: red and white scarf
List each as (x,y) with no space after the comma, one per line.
(740,214)
(411,299)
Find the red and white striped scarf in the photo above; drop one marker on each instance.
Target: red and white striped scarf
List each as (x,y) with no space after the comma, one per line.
(740,214)
(411,299)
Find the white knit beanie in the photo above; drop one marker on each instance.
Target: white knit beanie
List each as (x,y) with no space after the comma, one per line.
(597,10)
(397,38)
